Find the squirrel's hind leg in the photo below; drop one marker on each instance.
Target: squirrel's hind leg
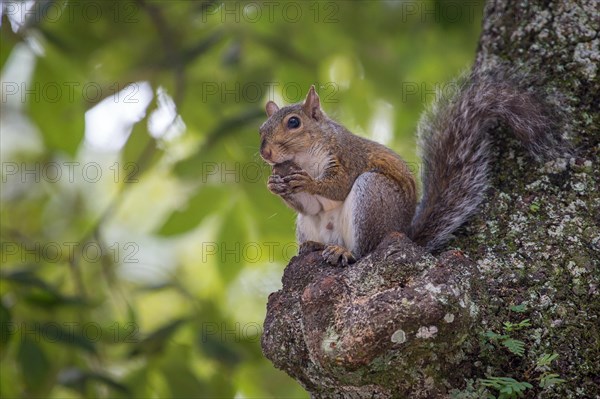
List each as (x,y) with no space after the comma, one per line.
(374,208)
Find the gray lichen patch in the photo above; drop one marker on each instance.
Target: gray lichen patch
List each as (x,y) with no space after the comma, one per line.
(434,289)
(427,332)
(588,56)
(399,337)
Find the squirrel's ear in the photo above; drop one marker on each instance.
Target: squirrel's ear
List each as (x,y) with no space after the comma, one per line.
(312,104)
(271,108)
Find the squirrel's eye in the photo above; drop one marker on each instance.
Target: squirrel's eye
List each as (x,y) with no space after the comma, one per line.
(293,122)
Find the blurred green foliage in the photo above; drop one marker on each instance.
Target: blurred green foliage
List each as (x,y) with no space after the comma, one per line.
(143,270)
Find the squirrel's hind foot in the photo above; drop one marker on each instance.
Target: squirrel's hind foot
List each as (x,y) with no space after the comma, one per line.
(310,246)
(336,255)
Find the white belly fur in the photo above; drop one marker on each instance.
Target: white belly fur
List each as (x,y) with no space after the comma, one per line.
(332,225)
(324,220)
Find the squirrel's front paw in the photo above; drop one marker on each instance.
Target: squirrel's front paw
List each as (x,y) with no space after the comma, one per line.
(299,181)
(277,186)
(337,256)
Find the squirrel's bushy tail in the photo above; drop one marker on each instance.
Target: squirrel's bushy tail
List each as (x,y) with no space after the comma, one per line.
(455,148)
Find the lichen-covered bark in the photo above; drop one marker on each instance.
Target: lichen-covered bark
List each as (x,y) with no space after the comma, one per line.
(398,321)
(537,239)
(403,323)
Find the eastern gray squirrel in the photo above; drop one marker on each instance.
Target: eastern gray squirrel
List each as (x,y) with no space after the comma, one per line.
(350,192)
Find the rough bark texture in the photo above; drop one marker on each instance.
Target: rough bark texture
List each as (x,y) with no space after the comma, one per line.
(406,324)
(397,321)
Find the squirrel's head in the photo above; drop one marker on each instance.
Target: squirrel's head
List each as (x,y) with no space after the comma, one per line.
(291,130)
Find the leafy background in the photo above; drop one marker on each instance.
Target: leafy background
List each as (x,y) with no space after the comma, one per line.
(139,242)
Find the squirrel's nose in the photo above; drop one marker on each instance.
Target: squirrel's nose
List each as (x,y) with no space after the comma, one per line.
(264,151)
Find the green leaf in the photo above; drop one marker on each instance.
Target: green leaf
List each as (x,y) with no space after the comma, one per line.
(50,299)
(191,167)
(508,388)
(206,201)
(39,293)
(519,308)
(492,336)
(221,345)
(180,379)
(139,154)
(138,384)
(233,245)
(121,333)
(35,366)
(8,39)
(157,340)
(5,327)
(56,102)
(79,380)
(514,346)
(534,207)
(547,380)
(509,327)
(53,332)
(546,359)
(25,276)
